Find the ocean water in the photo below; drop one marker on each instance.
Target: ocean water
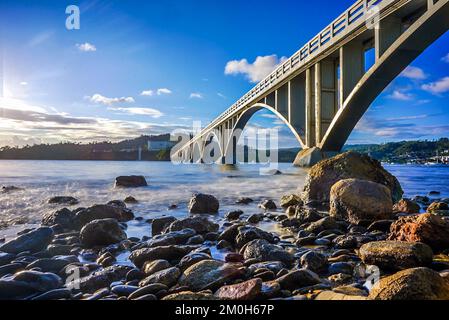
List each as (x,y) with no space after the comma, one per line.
(92,182)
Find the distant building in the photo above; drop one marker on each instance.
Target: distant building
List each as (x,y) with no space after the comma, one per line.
(160,145)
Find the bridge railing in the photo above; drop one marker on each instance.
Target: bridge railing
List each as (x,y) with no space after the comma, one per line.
(351,17)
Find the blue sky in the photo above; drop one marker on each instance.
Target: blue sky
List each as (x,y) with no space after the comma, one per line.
(148,67)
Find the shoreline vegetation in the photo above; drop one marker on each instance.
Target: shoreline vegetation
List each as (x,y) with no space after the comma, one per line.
(141,149)
(349,235)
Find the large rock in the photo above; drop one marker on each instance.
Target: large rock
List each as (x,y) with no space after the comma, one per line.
(249,233)
(167,277)
(298,279)
(203,204)
(201,225)
(130,182)
(350,165)
(407,206)
(158,225)
(209,274)
(244,291)
(360,201)
(100,279)
(171,238)
(27,282)
(169,253)
(426,228)
(64,218)
(102,233)
(98,212)
(290,200)
(33,241)
(63,200)
(412,284)
(396,255)
(262,250)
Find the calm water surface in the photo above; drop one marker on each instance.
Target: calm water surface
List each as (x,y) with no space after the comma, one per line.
(92,183)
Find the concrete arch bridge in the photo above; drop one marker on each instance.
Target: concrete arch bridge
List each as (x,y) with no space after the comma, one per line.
(323,90)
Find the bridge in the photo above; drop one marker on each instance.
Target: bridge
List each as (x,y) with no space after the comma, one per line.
(324,89)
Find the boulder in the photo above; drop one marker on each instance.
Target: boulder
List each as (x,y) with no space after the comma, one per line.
(98,212)
(359,201)
(28,282)
(203,204)
(201,225)
(268,205)
(101,233)
(169,253)
(209,274)
(244,200)
(151,267)
(167,277)
(290,200)
(412,284)
(71,201)
(307,215)
(436,207)
(298,279)
(171,238)
(327,223)
(100,279)
(314,261)
(262,250)
(249,233)
(407,206)
(427,228)
(248,290)
(64,218)
(233,215)
(349,165)
(130,182)
(130,200)
(191,259)
(159,225)
(33,241)
(396,255)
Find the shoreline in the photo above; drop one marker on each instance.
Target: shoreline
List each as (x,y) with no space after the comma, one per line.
(290,249)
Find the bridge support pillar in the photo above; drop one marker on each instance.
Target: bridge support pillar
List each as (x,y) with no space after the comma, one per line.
(352,68)
(309,157)
(310,104)
(386,33)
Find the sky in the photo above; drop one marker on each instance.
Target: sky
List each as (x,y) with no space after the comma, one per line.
(150,67)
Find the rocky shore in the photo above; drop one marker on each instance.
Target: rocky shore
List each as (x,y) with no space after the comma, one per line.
(350,235)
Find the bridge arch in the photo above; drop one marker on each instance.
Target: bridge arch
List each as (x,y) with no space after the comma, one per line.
(407,47)
(246,116)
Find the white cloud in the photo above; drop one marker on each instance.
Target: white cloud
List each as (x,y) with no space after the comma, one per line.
(446,58)
(147,93)
(196,95)
(438,87)
(154,113)
(255,71)
(163,91)
(159,92)
(221,95)
(24,83)
(401,96)
(98,98)
(414,73)
(86,47)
